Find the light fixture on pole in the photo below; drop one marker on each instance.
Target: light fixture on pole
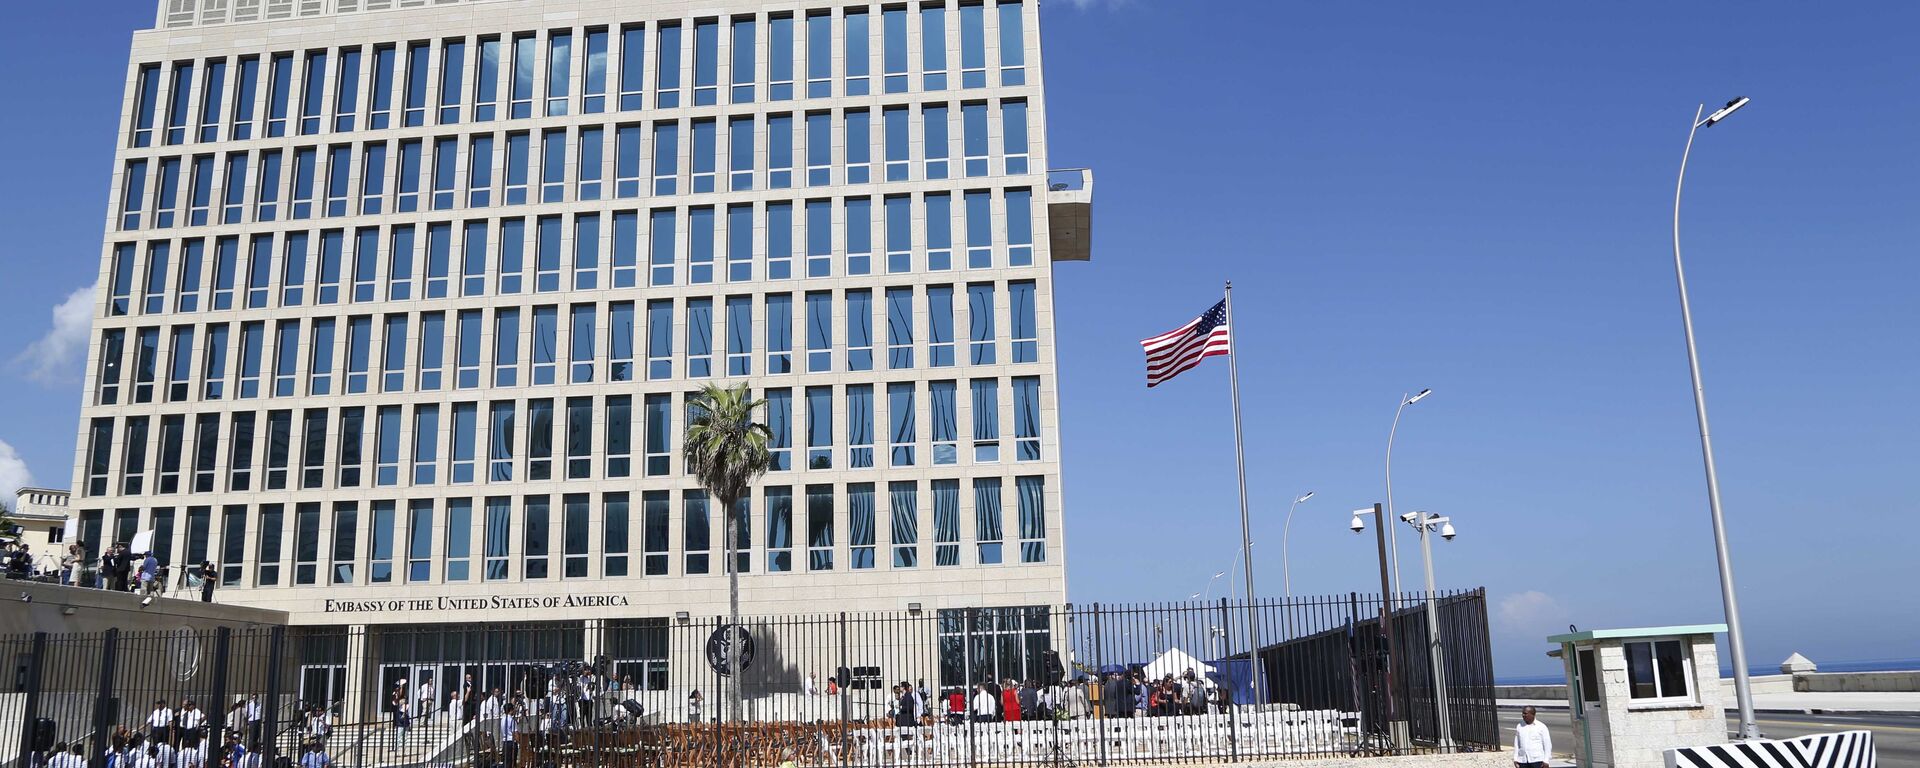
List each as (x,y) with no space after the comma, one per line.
(1736,644)
(1208,592)
(1393,541)
(1435,652)
(1286,567)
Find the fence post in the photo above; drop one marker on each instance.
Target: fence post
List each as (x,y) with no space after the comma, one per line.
(966,677)
(1100,660)
(846,686)
(103,702)
(29,714)
(270,714)
(216,709)
(1233,721)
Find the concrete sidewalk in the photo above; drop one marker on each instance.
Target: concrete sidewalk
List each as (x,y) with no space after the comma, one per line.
(1898,703)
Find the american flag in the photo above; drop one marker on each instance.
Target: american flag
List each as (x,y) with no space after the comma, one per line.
(1171,353)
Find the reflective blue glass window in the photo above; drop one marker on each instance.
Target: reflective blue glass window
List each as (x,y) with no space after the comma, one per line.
(593,81)
(860,330)
(779,333)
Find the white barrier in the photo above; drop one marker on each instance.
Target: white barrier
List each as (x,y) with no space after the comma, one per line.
(1847,749)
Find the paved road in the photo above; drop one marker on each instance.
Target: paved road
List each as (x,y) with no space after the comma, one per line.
(1896,737)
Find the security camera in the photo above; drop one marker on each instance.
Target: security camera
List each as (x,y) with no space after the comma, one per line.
(147,600)
(1409,517)
(1357,525)
(26,598)
(1447,532)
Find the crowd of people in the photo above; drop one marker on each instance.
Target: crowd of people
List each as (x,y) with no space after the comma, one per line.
(117,568)
(171,736)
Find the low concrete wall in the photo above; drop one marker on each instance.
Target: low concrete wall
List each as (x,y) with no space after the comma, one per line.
(98,610)
(1503,759)
(1531,692)
(1856,682)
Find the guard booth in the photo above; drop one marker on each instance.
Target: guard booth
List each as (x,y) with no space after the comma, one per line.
(1635,693)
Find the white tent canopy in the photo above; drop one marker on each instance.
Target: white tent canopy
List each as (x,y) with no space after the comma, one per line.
(1176,662)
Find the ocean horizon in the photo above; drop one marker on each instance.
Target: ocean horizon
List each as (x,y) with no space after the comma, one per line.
(1755,670)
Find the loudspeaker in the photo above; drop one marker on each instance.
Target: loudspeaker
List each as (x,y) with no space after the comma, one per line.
(43,734)
(1051,668)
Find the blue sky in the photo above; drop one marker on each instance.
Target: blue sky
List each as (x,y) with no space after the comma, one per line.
(1472,198)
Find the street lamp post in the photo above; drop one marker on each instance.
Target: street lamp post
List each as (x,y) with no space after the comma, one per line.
(1286,567)
(1396,727)
(1393,541)
(1435,653)
(1736,645)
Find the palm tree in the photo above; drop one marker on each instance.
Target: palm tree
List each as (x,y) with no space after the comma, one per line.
(727,450)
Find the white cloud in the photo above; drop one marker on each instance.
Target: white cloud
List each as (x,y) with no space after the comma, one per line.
(13,471)
(1531,612)
(54,359)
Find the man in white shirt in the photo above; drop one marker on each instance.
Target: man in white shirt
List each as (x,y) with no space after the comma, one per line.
(160,721)
(1532,743)
(490,707)
(983,705)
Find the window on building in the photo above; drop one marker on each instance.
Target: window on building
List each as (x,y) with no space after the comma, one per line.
(902,436)
(819,331)
(380,542)
(655,516)
(659,435)
(306,543)
(661,255)
(743,69)
(739,335)
(419,538)
(633,57)
(486,81)
(779,323)
(593,79)
(346,515)
(779,151)
(780,424)
(696,532)
(575,522)
(536,542)
(706,62)
(699,338)
(1659,669)
(819,149)
(819,427)
(453,62)
(899,328)
(619,436)
(459,553)
(973,46)
(465,429)
(592,155)
(433,350)
(513,246)
(426,443)
(819,527)
(540,439)
(414,103)
(500,443)
(986,420)
(546,322)
(860,526)
(497,541)
(858,57)
(779,241)
(859,146)
(518,147)
(819,54)
(980,323)
(520,90)
(859,235)
(779,511)
(667,69)
(860,426)
(380,94)
(780,57)
(940,325)
(944,411)
(613,538)
(559,71)
(860,330)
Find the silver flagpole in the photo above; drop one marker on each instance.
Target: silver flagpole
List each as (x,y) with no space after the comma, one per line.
(1246,532)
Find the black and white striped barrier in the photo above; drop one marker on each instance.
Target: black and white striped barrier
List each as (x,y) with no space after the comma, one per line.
(1848,749)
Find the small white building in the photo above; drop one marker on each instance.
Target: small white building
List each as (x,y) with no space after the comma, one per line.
(1635,693)
(41,514)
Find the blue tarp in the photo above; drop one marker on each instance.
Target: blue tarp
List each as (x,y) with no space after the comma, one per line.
(1233,674)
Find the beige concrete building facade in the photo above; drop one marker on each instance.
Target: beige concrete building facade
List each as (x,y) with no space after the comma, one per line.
(401,304)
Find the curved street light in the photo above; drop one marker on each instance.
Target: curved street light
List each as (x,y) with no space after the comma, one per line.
(1736,644)
(1286,568)
(1393,541)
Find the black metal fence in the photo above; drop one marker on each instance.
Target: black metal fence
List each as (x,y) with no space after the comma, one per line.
(1025,684)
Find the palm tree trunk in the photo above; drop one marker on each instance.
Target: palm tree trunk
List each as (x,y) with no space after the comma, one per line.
(733,605)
